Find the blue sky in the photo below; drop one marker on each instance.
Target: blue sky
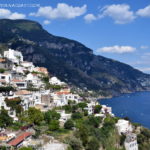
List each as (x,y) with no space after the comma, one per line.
(118,29)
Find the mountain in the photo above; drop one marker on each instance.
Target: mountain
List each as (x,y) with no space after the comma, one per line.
(70,60)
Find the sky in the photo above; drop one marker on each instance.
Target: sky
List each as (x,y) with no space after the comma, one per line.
(117,29)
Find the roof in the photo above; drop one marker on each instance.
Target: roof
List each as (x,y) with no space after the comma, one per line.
(23,92)
(17,80)
(2,60)
(2,81)
(41,69)
(63,93)
(20,138)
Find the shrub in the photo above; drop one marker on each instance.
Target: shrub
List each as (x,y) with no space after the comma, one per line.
(54,125)
(97,109)
(77,115)
(93,144)
(51,115)
(69,124)
(94,121)
(2,70)
(75,143)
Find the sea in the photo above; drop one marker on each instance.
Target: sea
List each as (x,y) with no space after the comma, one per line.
(135,106)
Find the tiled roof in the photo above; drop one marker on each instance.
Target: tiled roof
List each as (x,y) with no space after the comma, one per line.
(63,93)
(19,139)
(22,92)
(2,60)
(2,81)
(41,69)
(17,80)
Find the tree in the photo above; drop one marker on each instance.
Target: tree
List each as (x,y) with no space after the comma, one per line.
(83,133)
(97,109)
(94,121)
(77,115)
(75,143)
(35,115)
(122,139)
(82,105)
(68,108)
(2,70)
(54,125)
(5,119)
(51,115)
(69,124)
(93,144)
(14,104)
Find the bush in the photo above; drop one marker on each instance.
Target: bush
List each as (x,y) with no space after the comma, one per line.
(94,121)
(26,148)
(5,119)
(77,115)
(51,115)
(35,115)
(2,70)
(93,144)
(54,125)
(82,105)
(74,143)
(97,109)
(69,124)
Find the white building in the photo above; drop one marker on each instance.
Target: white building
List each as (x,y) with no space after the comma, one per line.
(20,84)
(90,107)
(106,110)
(18,69)
(5,77)
(131,142)
(27,99)
(124,126)
(28,66)
(61,98)
(55,81)
(14,56)
(63,116)
(34,79)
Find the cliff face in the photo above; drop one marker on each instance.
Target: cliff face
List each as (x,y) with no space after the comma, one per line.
(70,60)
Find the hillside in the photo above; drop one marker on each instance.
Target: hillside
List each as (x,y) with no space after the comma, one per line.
(70,60)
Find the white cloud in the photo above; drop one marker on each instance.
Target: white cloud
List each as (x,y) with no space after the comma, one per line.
(89,18)
(62,11)
(116,49)
(17,16)
(5,13)
(145,12)
(144,47)
(120,13)
(147,70)
(46,22)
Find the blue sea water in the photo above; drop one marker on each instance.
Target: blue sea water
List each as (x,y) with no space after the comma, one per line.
(136,106)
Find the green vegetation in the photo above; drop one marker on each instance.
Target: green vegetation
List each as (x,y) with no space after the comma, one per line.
(69,124)
(77,115)
(144,139)
(54,125)
(6,89)
(26,148)
(51,115)
(2,70)
(97,109)
(14,104)
(5,120)
(35,115)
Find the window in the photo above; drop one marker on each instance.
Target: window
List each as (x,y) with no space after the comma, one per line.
(2,77)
